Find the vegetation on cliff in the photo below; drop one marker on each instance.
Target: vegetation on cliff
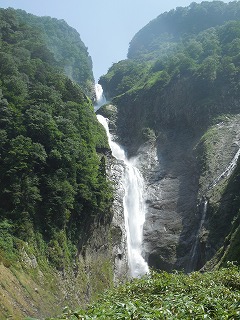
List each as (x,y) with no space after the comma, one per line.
(67,47)
(189,88)
(205,60)
(162,35)
(53,182)
(54,192)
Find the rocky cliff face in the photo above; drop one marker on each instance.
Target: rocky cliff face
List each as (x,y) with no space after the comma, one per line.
(178,233)
(184,175)
(218,151)
(177,99)
(35,289)
(115,169)
(118,232)
(171,203)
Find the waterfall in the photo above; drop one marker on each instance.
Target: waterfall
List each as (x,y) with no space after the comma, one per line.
(134,212)
(134,208)
(193,253)
(228,171)
(100,98)
(203,209)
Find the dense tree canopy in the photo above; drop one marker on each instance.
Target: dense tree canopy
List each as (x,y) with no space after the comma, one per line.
(65,45)
(52,179)
(162,33)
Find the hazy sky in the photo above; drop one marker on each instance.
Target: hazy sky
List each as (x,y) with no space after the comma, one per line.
(106,27)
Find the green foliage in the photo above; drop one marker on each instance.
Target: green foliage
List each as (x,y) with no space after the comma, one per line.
(163,33)
(213,295)
(123,76)
(232,241)
(187,84)
(53,182)
(148,134)
(65,46)
(7,252)
(160,78)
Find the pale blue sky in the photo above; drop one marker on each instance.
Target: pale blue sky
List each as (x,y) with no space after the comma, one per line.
(106,27)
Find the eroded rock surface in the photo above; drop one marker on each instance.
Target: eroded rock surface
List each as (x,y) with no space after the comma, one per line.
(176,184)
(118,232)
(181,168)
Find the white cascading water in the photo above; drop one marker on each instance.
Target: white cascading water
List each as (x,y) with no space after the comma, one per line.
(134,209)
(228,171)
(100,98)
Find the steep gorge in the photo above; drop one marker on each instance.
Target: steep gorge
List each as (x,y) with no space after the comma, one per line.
(177,112)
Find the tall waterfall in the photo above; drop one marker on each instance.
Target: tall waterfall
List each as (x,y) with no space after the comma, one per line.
(134,209)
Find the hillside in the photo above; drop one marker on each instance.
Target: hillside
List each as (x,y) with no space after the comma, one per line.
(213,295)
(67,47)
(177,110)
(55,197)
(161,35)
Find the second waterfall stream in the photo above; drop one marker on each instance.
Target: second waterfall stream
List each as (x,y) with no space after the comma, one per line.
(134,208)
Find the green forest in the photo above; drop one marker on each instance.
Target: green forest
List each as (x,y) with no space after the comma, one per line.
(67,47)
(53,181)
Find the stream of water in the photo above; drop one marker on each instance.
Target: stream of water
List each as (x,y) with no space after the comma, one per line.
(228,171)
(134,208)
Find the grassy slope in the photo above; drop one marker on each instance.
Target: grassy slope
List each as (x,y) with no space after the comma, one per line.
(212,295)
(22,294)
(39,291)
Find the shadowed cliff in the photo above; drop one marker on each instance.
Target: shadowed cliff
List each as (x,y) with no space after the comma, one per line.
(178,110)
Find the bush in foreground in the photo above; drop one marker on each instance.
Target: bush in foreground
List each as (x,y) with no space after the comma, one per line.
(212,295)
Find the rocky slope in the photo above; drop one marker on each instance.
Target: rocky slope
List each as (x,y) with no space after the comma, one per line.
(32,288)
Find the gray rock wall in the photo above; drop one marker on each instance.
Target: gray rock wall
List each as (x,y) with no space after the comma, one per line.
(179,168)
(179,175)
(118,232)
(171,177)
